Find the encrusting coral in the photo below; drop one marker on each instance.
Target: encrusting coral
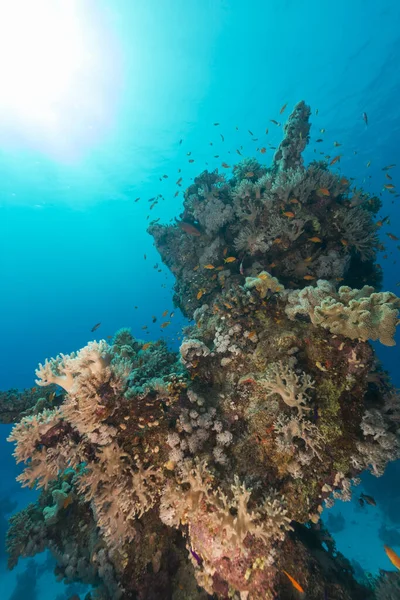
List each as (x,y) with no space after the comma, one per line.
(211,467)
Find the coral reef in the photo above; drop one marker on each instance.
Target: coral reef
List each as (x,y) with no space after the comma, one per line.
(168,475)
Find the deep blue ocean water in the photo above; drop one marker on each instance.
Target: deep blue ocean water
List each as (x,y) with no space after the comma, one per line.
(95,98)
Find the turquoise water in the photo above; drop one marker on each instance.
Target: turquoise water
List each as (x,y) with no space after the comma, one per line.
(98,97)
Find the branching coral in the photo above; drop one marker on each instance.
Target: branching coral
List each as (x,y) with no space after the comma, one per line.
(292,388)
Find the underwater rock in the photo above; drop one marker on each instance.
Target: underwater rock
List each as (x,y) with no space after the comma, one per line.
(211,468)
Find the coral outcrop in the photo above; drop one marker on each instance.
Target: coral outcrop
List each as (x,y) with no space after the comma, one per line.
(175,476)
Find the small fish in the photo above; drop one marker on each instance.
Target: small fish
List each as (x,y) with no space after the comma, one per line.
(361,502)
(227,305)
(222,137)
(295,583)
(369,163)
(308,259)
(209,266)
(241,271)
(137,199)
(336,144)
(382,221)
(52,396)
(144,327)
(189,228)
(249,174)
(263,150)
(165,324)
(271,266)
(191,160)
(144,256)
(323,192)
(146,346)
(322,130)
(389,167)
(316,111)
(250,132)
(335,159)
(225,165)
(315,239)
(266,132)
(215,124)
(176,194)
(238,151)
(365,118)
(165,176)
(392,237)
(319,140)
(339,278)
(171,315)
(165,313)
(200,293)
(34,389)
(320,366)
(393,557)
(344,242)
(68,500)
(95,326)
(252,335)
(308,277)
(178,181)
(180,142)
(389,186)
(368,499)
(388,176)
(344,181)
(274,122)
(283,109)
(153,319)
(289,214)
(230,259)
(195,268)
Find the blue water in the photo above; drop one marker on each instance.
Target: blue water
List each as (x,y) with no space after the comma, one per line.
(99,96)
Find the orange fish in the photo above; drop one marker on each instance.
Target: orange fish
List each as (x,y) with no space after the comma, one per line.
(344,181)
(145,346)
(189,228)
(392,237)
(277,241)
(68,500)
(165,313)
(195,268)
(230,259)
(389,186)
(295,583)
(335,159)
(323,192)
(393,557)
(308,277)
(165,324)
(315,239)
(228,305)
(33,389)
(220,268)
(271,266)
(263,150)
(308,259)
(209,266)
(249,174)
(283,109)
(289,214)
(344,242)
(200,293)
(252,335)
(225,165)
(294,201)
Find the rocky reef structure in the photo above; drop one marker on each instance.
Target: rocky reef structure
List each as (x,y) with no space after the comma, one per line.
(205,474)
